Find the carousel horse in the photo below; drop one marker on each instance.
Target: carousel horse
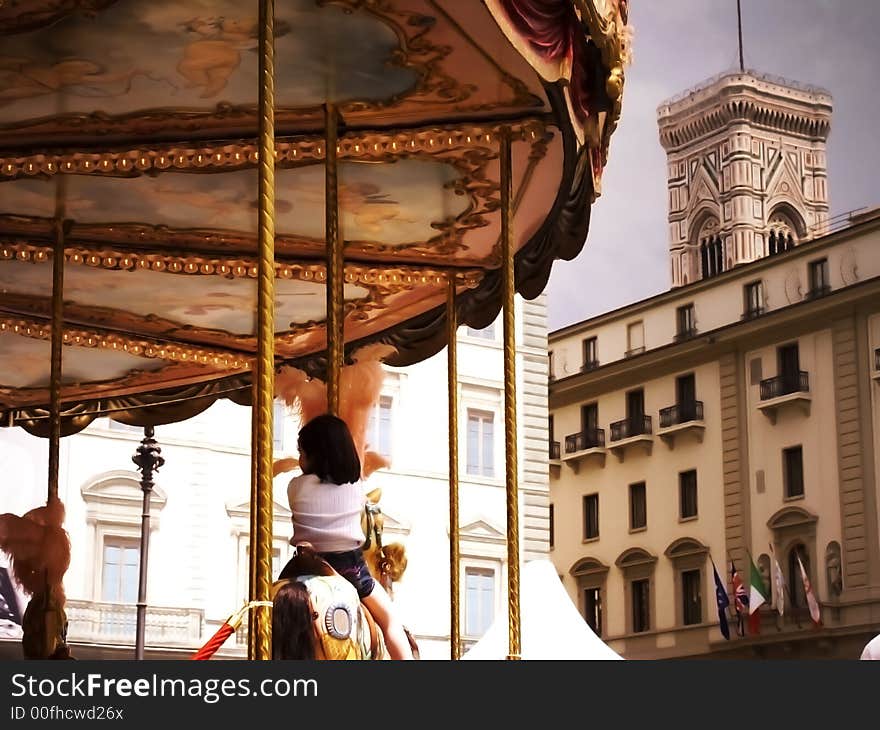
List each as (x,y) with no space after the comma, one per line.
(39,548)
(316,614)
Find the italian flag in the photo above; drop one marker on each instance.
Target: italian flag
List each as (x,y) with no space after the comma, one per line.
(757,597)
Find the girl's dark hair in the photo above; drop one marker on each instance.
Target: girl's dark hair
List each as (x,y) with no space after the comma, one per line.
(293,634)
(330,448)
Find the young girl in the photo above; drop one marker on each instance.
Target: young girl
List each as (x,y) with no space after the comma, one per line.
(327,502)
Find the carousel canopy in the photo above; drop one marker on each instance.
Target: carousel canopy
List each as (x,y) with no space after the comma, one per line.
(129,128)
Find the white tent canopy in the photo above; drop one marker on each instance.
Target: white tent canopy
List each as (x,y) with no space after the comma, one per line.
(550,625)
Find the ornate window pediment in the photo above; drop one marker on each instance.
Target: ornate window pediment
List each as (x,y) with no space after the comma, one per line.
(588,566)
(116,497)
(789,517)
(634,558)
(686,547)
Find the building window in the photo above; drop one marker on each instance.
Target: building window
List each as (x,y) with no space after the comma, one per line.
(479,600)
(379,426)
(124,427)
(691,596)
(687,490)
(481,443)
(685,322)
(638,509)
(120,573)
(793,467)
(279,411)
(711,256)
(820,283)
(487,333)
(591,353)
(635,338)
(753,299)
(591,516)
(552,527)
(593,609)
(550,370)
(641,616)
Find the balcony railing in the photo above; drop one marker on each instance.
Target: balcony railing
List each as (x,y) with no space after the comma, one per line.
(818,291)
(634,351)
(753,312)
(630,427)
(94,621)
(592,438)
(785,385)
(589,365)
(681,413)
(554,450)
(686,334)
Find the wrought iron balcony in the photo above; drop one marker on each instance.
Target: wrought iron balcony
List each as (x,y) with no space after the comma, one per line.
(681,413)
(592,438)
(635,351)
(589,365)
(680,419)
(818,291)
(687,334)
(785,384)
(554,450)
(753,312)
(792,389)
(629,427)
(585,447)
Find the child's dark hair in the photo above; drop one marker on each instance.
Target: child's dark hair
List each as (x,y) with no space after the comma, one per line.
(293,634)
(331,452)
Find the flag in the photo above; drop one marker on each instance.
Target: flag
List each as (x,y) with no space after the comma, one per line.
(779,579)
(757,597)
(9,610)
(740,600)
(808,591)
(723,601)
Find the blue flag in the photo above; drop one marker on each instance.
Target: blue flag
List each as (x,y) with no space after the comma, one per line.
(723,601)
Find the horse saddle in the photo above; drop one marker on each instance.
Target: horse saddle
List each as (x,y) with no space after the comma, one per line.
(345,627)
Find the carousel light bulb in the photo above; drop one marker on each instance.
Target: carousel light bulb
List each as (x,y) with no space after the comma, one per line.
(219,157)
(86,164)
(238,155)
(15,328)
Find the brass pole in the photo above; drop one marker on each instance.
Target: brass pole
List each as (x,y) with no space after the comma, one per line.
(508,291)
(57,338)
(254,529)
(454,546)
(335,272)
(261,542)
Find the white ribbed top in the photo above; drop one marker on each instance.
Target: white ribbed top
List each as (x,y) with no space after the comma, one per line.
(326,515)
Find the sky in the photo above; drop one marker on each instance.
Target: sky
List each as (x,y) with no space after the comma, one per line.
(676,45)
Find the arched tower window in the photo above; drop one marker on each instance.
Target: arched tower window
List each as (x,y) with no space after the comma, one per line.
(785,231)
(711,249)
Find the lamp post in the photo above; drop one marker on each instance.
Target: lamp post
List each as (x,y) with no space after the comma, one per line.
(148,459)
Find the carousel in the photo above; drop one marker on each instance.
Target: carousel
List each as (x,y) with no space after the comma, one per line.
(199,195)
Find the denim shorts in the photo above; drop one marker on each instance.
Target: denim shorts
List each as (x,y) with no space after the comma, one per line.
(350,565)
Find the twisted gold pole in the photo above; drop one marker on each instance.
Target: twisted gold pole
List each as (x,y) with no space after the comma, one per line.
(261,542)
(57,338)
(335,274)
(454,547)
(508,291)
(254,528)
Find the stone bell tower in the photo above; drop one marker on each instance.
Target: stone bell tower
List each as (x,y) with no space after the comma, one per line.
(746,171)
